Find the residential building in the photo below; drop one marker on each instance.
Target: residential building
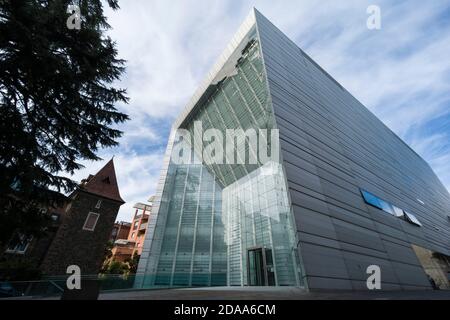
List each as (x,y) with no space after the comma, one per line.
(30,251)
(139,226)
(131,245)
(341,193)
(120,231)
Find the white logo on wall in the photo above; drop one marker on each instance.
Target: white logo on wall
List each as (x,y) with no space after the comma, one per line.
(74,20)
(74,280)
(374,20)
(374,280)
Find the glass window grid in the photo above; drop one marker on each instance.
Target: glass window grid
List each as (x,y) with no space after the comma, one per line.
(196,214)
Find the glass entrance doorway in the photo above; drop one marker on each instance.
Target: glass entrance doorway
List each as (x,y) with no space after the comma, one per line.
(260,267)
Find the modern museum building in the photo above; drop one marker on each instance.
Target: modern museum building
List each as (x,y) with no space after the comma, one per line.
(335,192)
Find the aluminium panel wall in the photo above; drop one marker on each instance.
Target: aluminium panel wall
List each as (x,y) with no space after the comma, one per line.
(332,146)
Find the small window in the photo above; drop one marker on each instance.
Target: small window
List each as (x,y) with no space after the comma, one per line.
(91,221)
(98,205)
(55,217)
(133,234)
(412,219)
(371,199)
(398,212)
(19,244)
(136,223)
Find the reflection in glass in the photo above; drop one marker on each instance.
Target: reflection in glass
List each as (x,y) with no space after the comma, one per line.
(211,215)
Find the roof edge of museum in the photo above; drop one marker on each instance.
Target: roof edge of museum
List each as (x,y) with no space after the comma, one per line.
(243,30)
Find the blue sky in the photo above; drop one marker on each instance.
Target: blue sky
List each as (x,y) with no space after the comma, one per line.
(400,72)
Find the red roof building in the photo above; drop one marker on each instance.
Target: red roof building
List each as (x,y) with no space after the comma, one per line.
(104,183)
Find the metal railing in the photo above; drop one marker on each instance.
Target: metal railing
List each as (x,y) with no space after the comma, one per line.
(54,287)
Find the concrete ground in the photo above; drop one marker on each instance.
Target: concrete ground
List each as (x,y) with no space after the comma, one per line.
(270,293)
(258,293)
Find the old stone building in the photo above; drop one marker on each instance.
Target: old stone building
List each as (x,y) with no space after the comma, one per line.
(87,224)
(79,230)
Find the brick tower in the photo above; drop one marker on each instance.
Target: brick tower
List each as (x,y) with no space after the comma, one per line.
(86,227)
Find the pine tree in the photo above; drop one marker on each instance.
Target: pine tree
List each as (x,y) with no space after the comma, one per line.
(57,102)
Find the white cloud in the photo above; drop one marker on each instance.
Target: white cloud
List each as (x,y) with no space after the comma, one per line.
(169,47)
(137,179)
(434,149)
(137,176)
(401,72)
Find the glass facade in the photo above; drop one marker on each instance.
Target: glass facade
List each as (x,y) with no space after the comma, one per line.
(226,223)
(256,214)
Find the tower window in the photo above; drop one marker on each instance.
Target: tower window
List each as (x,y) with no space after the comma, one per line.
(99,204)
(19,244)
(91,221)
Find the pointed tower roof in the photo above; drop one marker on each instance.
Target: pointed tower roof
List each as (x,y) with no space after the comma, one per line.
(104,183)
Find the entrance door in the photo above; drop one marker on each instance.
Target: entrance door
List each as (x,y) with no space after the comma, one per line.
(260,267)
